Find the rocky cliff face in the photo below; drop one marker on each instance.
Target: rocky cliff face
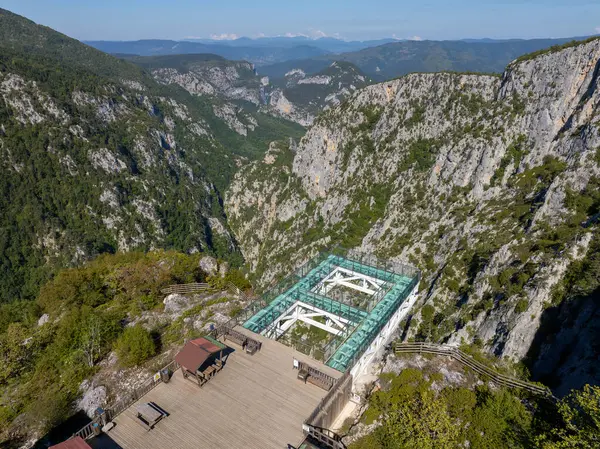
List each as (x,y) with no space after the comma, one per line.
(298,96)
(234,80)
(302,97)
(90,171)
(488,184)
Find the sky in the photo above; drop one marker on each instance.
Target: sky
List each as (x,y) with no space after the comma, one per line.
(346,19)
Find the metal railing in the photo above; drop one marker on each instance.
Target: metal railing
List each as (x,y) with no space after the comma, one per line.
(323,409)
(325,437)
(87,431)
(318,422)
(478,367)
(116,409)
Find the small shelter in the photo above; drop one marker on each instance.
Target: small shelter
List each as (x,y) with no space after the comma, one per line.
(73,443)
(201,359)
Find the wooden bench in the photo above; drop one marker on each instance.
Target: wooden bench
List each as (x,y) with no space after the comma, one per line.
(321,383)
(145,424)
(236,337)
(149,414)
(218,365)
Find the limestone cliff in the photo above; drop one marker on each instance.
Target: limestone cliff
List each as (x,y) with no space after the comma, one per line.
(297,96)
(488,184)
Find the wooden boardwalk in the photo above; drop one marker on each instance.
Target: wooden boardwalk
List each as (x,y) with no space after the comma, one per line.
(255,402)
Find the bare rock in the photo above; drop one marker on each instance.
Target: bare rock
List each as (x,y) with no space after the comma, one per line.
(223,269)
(93,397)
(175,303)
(484,134)
(43,319)
(209,265)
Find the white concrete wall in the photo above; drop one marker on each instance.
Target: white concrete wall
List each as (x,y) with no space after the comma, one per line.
(375,350)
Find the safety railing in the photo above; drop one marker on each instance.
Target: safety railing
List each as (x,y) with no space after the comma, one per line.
(116,409)
(87,431)
(478,367)
(318,423)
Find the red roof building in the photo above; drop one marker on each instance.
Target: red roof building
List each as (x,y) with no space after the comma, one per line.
(73,443)
(198,353)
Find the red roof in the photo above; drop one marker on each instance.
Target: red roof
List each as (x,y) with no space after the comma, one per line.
(208,346)
(73,443)
(195,353)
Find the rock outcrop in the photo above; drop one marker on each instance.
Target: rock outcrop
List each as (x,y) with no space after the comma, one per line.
(297,96)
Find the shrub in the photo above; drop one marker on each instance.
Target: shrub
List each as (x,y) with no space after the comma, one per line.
(521,306)
(237,278)
(134,346)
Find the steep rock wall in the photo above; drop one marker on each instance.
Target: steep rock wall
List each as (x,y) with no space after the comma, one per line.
(488,184)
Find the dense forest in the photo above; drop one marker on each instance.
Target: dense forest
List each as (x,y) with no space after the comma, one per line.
(412,411)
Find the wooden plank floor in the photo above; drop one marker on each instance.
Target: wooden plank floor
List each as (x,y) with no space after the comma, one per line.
(255,402)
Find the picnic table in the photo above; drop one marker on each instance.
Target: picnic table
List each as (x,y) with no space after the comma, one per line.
(148,415)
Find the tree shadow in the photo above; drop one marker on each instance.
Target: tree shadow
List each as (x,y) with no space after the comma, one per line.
(103,441)
(63,431)
(568,337)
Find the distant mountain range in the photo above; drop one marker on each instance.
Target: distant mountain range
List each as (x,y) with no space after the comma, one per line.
(380,59)
(259,55)
(329,44)
(295,96)
(400,58)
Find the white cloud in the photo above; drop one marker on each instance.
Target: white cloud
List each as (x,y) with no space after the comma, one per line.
(597,29)
(317,34)
(224,36)
(415,38)
(293,35)
(312,33)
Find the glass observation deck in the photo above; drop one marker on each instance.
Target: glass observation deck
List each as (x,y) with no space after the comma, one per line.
(363,292)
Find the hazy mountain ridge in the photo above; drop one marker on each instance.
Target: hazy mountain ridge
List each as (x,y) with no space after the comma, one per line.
(329,44)
(488,184)
(400,58)
(257,55)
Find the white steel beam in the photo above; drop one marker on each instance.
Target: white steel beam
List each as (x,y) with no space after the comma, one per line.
(312,322)
(353,286)
(306,312)
(343,276)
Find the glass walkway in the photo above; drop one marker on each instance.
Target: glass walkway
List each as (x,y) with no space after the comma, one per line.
(364,323)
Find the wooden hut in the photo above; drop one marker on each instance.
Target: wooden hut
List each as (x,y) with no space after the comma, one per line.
(73,443)
(201,359)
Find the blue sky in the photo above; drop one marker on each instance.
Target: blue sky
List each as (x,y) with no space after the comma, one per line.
(348,19)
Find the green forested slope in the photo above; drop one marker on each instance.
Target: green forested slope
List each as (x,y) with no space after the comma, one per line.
(96,157)
(86,310)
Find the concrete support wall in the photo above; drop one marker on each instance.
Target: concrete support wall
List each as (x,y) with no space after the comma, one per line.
(375,350)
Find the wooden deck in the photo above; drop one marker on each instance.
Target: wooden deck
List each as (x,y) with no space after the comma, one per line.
(255,402)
